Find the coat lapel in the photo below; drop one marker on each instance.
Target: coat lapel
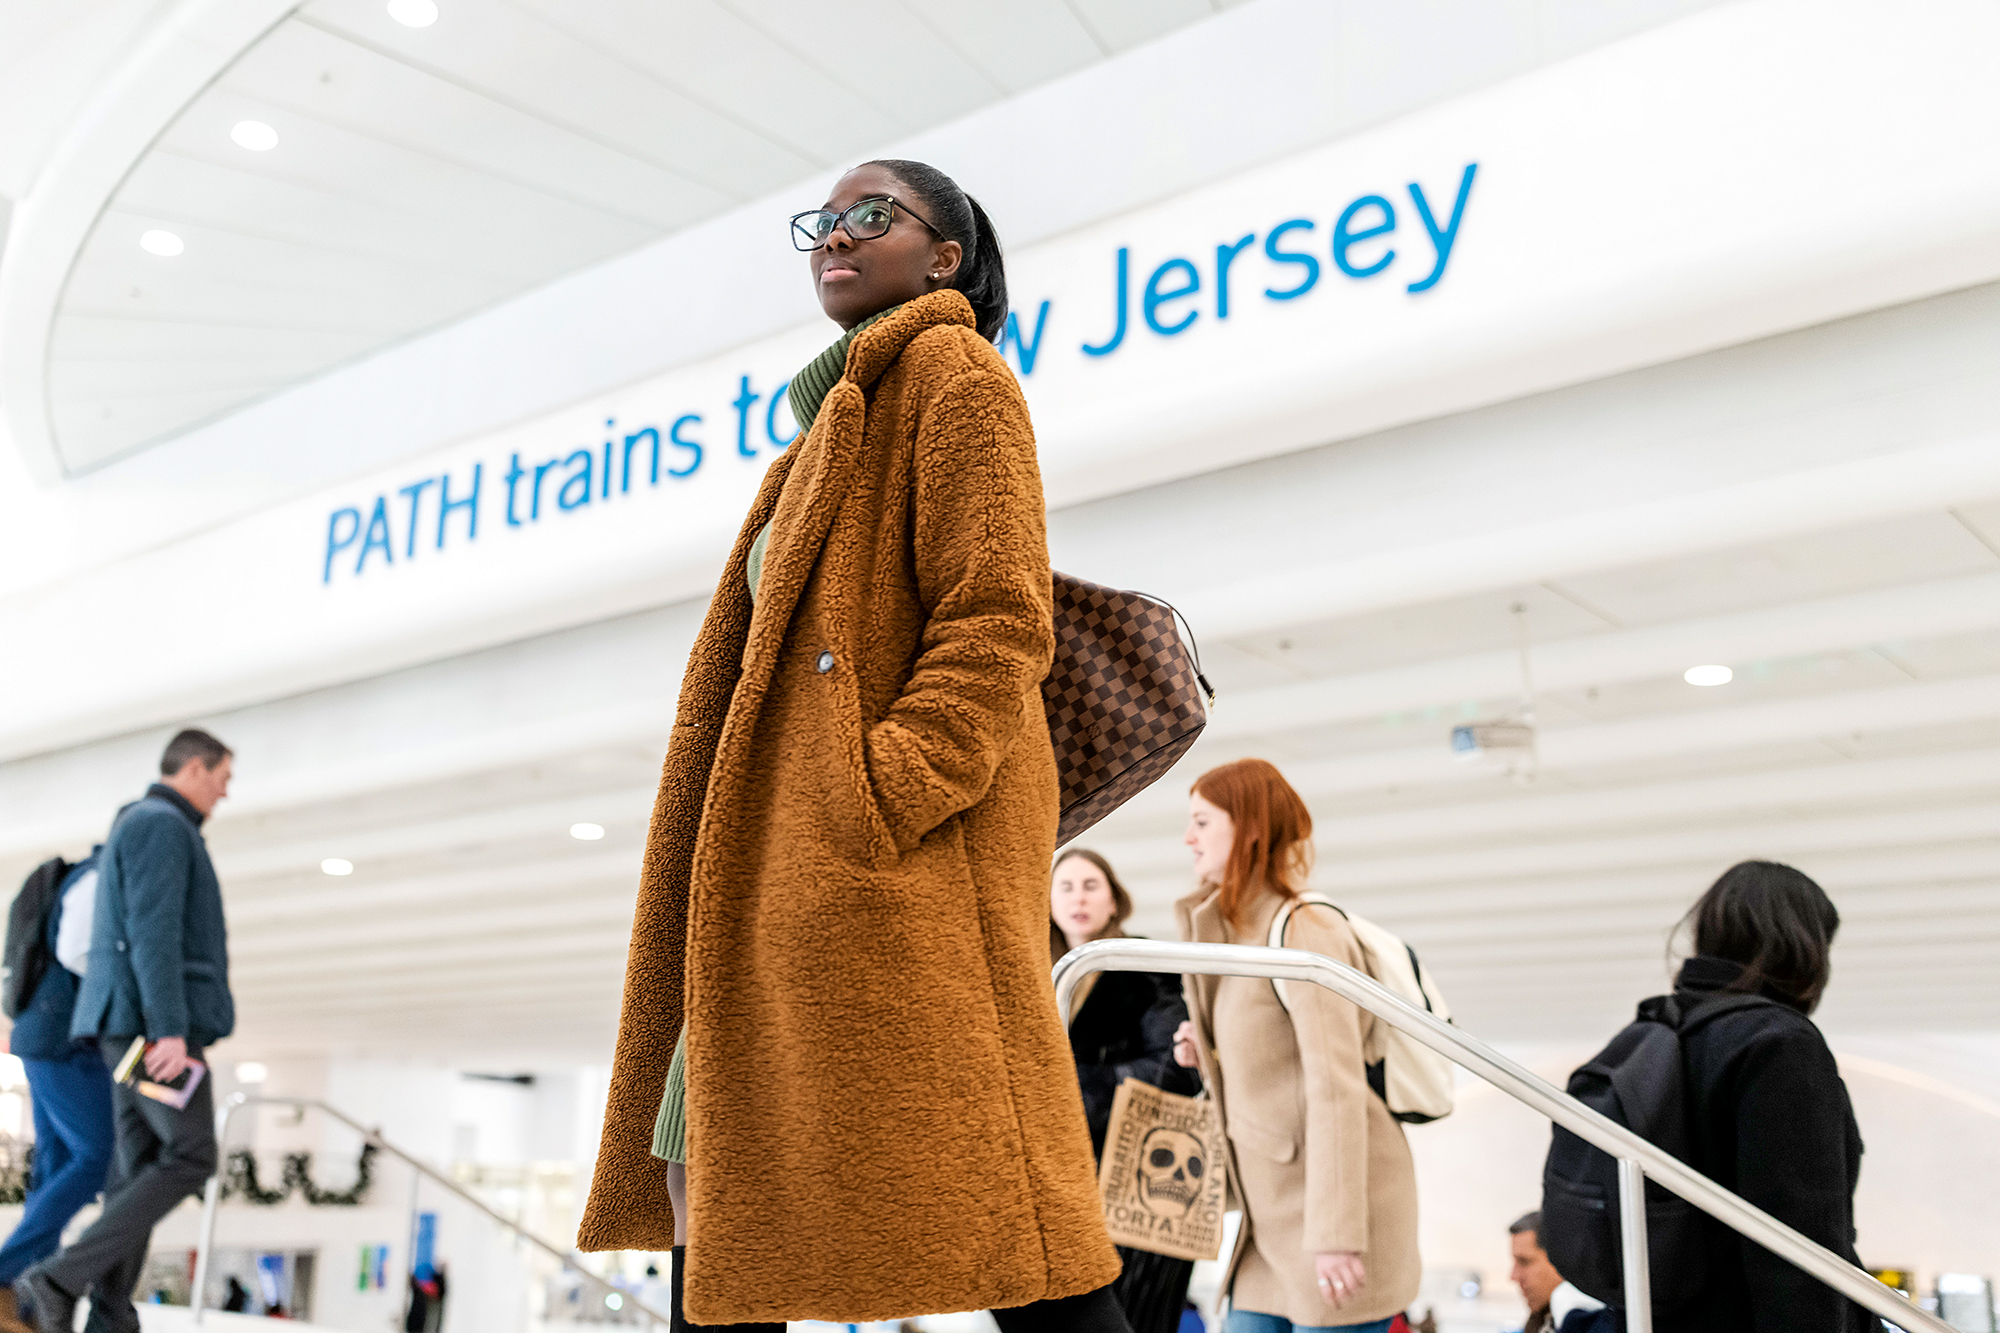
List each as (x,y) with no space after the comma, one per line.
(1201,923)
(824,464)
(808,495)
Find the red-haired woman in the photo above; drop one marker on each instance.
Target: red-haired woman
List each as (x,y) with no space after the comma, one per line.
(1329,1238)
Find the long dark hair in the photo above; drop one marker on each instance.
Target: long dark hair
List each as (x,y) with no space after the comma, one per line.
(1777,923)
(957,216)
(1121,901)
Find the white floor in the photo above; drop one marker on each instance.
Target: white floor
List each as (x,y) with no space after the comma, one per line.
(178,1318)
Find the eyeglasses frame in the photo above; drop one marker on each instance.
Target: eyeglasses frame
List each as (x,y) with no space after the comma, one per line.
(840,220)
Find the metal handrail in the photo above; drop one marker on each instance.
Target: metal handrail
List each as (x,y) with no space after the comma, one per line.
(212,1195)
(1638,1160)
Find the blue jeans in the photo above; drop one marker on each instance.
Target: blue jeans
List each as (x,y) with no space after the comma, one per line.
(73,1145)
(1249,1321)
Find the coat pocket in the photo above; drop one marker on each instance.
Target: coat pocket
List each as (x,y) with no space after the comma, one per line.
(1270,1144)
(211,1012)
(868,831)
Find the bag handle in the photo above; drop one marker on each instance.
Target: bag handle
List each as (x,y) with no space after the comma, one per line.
(1194,649)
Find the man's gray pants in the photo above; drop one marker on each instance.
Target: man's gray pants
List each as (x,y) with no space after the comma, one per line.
(163,1156)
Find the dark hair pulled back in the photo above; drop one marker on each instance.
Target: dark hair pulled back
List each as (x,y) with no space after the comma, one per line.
(1777,923)
(957,216)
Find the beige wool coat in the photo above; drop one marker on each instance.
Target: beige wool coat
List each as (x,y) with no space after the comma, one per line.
(846,880)
(1319,1163)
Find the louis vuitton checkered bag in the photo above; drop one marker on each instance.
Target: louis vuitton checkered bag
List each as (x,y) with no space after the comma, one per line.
(1125,697)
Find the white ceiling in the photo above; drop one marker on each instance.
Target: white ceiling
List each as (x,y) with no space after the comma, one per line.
(54,54)
(421,174)
(1519,895)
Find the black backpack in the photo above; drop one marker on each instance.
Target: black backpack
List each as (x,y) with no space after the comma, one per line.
(1639,1081)
(27,956)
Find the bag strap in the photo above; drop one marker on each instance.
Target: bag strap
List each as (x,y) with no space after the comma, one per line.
(1704,1011)
(1194,649)
(1282,922)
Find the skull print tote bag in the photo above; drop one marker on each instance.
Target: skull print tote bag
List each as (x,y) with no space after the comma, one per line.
(1162,1176)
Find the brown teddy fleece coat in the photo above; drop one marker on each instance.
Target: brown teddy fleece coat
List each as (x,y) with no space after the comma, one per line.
(846,880)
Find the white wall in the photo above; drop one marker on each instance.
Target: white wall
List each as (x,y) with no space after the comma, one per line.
(1591,244)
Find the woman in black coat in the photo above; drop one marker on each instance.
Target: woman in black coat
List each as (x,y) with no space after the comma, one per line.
(1769,1115)
(1121,1026)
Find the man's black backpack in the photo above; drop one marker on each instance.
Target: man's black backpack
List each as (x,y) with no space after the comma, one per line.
(1640,1081)
(27,956)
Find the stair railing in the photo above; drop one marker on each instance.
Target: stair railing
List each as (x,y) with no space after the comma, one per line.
(1638,1160)
(569,1259)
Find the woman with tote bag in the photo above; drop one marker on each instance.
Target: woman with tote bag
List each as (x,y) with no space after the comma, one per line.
(1328,1187)
(1121,1026)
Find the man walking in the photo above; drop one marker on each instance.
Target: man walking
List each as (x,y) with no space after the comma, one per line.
(159,968)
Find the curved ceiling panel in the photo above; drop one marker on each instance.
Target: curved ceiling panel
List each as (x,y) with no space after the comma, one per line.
(350,181)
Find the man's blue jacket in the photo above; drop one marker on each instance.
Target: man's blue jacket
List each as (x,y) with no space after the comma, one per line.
(159,951)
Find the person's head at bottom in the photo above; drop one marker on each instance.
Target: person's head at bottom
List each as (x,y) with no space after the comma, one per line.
(1532,1272)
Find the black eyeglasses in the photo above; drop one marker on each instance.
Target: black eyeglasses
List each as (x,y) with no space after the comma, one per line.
(864,222)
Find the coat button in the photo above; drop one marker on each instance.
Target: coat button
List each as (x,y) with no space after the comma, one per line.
(121,946)
(825,663)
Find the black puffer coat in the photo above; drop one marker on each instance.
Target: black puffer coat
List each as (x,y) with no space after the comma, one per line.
(1771,1121)
(1125,1029)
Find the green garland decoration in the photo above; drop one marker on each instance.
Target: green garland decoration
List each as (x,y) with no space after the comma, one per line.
(298,1172)
(239,1180)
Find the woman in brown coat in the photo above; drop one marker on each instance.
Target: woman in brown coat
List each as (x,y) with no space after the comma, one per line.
(844,891)
(1329,1192)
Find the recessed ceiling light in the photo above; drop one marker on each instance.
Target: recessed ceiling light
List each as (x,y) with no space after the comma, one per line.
(586,832)
(162,243)
(254,135)
(333,865)
(252,1071)
(414,13)
(1709,675)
